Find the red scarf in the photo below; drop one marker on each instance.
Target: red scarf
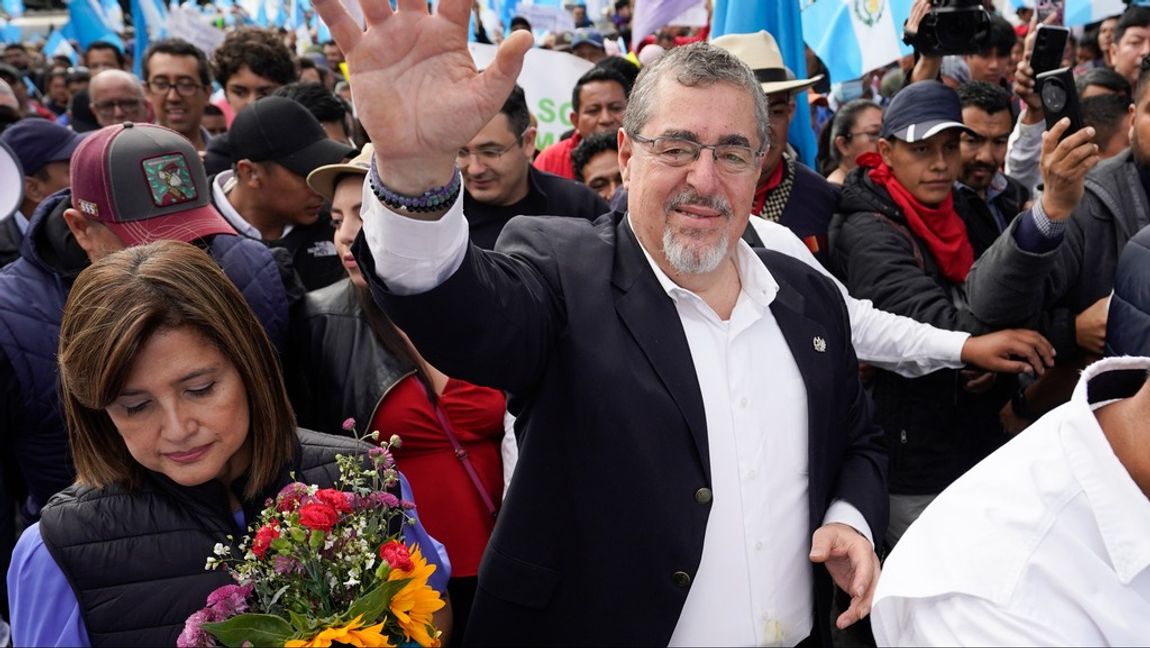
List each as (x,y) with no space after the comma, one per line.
(773,180)
(941,227)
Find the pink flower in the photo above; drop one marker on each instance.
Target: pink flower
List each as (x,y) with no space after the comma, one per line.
(263,539)
(348,424)
(227,601)
(319,517)
(290,496)
(336,499)
(395,553)
(194,634)
(285,565)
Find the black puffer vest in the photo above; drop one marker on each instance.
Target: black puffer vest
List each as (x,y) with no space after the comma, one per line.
(136,560)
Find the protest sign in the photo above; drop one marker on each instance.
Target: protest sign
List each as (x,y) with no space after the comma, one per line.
(186,22)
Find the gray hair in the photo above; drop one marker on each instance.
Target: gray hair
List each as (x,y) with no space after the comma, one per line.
(695,65)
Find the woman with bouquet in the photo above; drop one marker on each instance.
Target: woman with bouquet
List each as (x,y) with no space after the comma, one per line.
(181,432)
(357,363)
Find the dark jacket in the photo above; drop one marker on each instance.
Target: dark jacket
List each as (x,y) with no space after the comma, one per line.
(33,290)
(10,238)
(547,195)
(568,316)
(1128,322)
(135,560)
(1012,287)
(345,370)
(935,429)
(809,209)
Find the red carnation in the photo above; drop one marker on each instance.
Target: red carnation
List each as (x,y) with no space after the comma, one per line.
(334,498)
(320,517)
(396,555)
(263,539)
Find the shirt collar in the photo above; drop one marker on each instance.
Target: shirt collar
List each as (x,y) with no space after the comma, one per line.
(21,221)
(757,282)
(221,186)
(1120,508)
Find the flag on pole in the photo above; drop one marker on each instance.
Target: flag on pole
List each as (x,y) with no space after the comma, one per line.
(781,19)
(91,23)
(649,15)
(1084,12)
(151,20)
(853,37)
(58,45)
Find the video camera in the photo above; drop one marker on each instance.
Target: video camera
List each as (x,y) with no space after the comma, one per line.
(951,27)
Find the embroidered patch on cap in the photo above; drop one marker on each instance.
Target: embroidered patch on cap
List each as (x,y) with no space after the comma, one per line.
(169,180)
(89,208)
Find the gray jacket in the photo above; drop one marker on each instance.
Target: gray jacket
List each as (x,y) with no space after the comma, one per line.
(1011,287)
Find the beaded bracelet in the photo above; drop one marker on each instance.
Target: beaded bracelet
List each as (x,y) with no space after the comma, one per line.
(434,199)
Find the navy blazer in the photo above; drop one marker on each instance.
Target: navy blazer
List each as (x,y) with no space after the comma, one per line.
(601,530)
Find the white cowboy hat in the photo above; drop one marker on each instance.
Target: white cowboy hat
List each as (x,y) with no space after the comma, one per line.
(761,53)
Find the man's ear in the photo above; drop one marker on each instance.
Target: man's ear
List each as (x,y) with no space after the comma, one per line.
(529,141)
(81,228)
(248,173)
(625,155)
(33,189)
(885,149)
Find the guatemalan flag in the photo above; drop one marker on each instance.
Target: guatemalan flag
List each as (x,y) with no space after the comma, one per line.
(91,22)
(14,8)
(1084,12)
(58,45)
(151,20)
(853,37)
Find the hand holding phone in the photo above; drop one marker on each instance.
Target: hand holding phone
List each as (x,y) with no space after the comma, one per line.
(1049,46)
(1060,99)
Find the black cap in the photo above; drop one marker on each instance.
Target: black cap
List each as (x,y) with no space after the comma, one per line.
(277,129)
(921,110)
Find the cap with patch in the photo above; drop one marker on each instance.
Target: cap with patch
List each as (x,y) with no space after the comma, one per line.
(277,129)
(922,110)
(145,183)
(36,142)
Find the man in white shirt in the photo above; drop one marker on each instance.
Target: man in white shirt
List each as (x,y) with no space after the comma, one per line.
(693,434)
(1046,542)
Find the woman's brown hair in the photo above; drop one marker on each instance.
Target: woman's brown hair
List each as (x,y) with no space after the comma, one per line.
(114,308)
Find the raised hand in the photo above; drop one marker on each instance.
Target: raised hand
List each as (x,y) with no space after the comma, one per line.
(415,86)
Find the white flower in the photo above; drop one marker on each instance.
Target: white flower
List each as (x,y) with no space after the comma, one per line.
(220,549)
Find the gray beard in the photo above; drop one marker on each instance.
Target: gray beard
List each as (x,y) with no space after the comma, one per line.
(687,260)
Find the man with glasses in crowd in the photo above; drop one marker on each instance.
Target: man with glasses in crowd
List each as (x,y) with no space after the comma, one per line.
(179,86)
(117,97)
(500,183)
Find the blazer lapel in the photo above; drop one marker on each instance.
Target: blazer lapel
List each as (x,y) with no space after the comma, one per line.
(650,316)
(809,344)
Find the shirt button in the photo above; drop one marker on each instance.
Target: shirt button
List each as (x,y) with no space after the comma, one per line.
(703,496)
(759,545)
(743,403)
(682,579)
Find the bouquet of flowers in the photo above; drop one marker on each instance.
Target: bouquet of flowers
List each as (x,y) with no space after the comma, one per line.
(320,567)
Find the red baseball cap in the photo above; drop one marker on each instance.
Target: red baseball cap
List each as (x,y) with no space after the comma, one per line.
(145,183)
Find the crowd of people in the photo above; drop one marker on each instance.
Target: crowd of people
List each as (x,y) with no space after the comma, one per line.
(662,382)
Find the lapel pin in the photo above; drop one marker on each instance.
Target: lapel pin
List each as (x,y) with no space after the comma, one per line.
(820,344)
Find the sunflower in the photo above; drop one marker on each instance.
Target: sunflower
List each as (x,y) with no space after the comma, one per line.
(352,634)
(414,605)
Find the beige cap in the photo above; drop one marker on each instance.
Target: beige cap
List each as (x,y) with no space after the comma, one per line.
(761,53)
(322,180)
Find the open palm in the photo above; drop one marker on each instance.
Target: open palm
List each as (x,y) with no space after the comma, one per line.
(414,84)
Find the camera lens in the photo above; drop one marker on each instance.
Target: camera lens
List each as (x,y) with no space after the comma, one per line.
(1053,96)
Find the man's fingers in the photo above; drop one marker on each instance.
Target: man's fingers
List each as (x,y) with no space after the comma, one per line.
(457,11)
(376,11)
(411,5)
(344,30)
(858,609)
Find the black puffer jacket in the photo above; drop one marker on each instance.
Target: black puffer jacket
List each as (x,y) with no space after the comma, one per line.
(936,430)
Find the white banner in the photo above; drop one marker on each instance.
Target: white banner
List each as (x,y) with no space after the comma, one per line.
(546,18)
(547,79)
(186,22)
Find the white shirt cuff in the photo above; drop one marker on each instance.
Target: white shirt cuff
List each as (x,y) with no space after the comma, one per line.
(413,256)
(844,512)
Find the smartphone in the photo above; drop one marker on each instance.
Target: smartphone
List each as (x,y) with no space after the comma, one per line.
(1060,99)
(1049,46)
(1046,7)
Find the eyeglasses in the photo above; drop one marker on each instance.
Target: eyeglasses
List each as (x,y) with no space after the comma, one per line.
(488,154)
(184,87)
(109,107)
(678,152)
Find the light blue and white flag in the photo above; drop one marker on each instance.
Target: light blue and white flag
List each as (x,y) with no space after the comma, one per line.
(14,8)
(114,14)
(151,20)
(1084,12)
(58,45)
(853,37)
(10,33)
(782,20)
(650,15)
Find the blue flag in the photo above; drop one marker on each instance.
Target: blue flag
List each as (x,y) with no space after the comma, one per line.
(14,8)
(91,23)
(322,33)
(58,45)
(151,20)
(781,19)
(853,37)
(10,33)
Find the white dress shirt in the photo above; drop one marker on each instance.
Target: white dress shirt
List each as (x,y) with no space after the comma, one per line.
(753,586)
(900,344)
(1045,542)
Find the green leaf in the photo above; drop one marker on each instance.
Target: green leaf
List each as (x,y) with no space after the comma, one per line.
(316,540)
(281,546)
(259,629)
(372,604)
(302,624)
